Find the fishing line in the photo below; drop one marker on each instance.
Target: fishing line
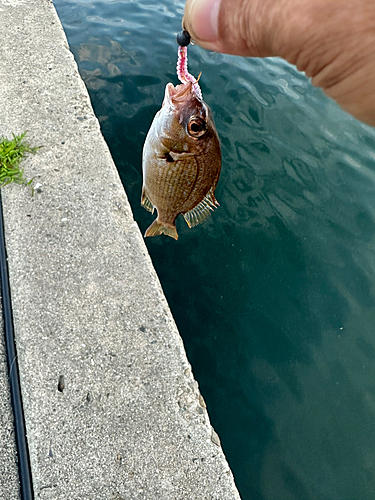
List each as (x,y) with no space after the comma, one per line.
(14,380)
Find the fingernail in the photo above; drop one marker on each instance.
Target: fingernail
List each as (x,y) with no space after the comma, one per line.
(201,16)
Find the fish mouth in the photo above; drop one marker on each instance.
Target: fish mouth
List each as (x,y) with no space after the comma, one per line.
(174,95)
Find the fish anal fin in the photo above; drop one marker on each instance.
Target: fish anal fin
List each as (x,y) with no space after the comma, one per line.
(157,228)
(146,202)
(202,211)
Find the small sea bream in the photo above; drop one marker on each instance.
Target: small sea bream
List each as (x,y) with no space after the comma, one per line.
(181,157)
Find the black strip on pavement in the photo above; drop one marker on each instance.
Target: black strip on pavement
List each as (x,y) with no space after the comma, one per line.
(14,380)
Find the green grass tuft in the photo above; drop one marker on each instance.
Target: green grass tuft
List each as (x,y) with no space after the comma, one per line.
(11,153)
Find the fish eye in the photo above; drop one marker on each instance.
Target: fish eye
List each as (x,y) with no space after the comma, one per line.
(196,127)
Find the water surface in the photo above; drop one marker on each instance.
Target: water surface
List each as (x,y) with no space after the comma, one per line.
(274,296)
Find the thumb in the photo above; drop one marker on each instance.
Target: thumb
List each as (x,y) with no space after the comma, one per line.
(231,26)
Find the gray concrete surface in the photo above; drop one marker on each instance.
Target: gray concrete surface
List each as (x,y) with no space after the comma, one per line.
(9,483)
(126,420)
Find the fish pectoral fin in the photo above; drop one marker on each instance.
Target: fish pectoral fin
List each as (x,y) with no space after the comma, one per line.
(202,211)
(173,156)
(146,202)
(176,156)
(157,228)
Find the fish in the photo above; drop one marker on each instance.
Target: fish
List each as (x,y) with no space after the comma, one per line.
(181,161)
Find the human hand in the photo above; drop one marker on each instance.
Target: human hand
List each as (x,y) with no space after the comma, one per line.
(332,41)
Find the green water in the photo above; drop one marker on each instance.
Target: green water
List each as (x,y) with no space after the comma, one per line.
(274,296)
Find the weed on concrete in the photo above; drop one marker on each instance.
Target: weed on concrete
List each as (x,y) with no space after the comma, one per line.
(11,153)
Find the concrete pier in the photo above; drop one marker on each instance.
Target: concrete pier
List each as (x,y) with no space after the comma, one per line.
(111,406)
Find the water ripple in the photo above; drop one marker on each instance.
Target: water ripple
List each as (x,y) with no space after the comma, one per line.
(275,294)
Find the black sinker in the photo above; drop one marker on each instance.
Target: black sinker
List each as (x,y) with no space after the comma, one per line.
(183,38)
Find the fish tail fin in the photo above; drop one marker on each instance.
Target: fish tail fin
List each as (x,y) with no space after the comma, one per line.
(159,228)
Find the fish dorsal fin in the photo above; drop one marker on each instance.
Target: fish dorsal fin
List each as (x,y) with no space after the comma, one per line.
(146,202)
(202,211)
